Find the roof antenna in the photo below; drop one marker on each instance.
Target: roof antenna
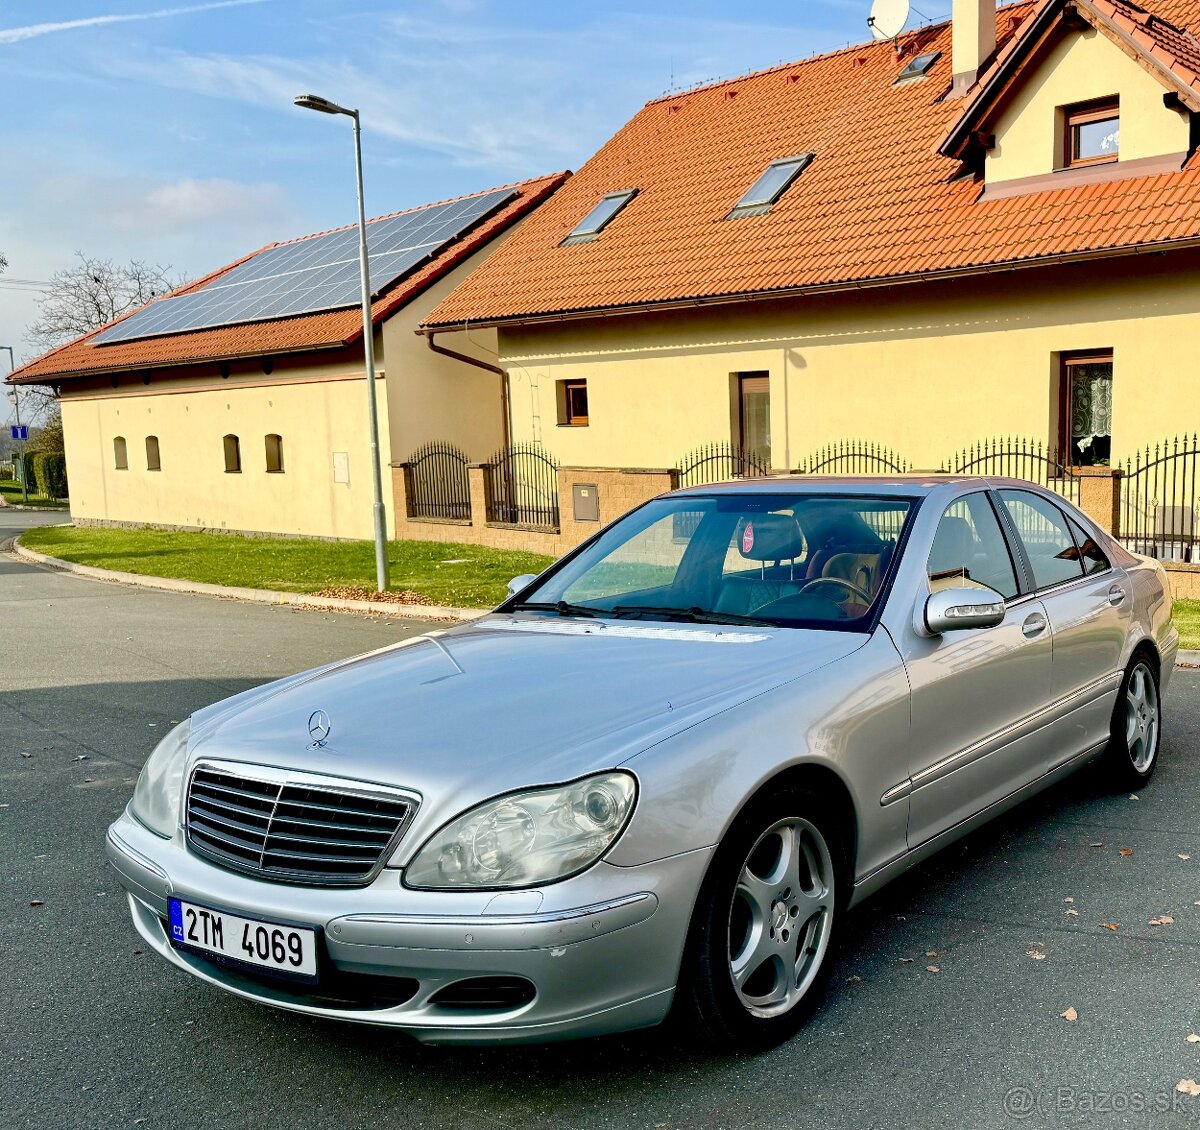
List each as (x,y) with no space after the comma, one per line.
(888,19)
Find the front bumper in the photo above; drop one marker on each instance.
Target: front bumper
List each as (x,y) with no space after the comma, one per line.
(601,950)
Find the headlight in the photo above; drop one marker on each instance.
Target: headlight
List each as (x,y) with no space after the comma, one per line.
(156,799)
(527,838)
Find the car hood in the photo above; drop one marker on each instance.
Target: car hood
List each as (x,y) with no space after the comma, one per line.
(508,701)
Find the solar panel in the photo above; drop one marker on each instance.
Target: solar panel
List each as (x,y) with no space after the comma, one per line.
(320,273)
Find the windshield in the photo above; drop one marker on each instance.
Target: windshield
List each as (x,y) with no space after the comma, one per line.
(795,560)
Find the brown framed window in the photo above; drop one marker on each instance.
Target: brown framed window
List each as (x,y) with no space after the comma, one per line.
(754,416)
(233,454)
(573,404)
(1085,409)
(1091,133)
(274,447)
(153,457)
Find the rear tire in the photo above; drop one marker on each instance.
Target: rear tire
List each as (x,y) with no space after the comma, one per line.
(1136,729)
(762,936)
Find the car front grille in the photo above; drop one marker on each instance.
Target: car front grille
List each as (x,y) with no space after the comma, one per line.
(292,832)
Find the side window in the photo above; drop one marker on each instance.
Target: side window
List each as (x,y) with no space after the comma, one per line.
(1093,557)
(1043,530)
(969,549)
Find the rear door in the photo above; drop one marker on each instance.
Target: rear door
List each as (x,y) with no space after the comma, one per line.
(1090,606)
(976,695)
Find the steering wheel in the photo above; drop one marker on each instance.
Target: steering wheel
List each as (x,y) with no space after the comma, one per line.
(866,596)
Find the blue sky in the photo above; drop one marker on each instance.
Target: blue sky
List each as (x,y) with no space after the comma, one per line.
(163,129)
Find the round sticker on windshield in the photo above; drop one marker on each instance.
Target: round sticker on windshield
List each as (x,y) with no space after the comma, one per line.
(748,537)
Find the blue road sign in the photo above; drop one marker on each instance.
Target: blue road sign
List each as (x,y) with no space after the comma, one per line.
(19,432)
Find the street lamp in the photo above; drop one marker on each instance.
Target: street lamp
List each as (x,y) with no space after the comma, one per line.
(12,365)
(324,106)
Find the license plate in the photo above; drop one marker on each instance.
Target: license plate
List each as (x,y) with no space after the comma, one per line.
(267,945)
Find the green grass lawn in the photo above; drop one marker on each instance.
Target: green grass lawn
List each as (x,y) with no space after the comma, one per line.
(11,489)
(468,576)
(1187,620)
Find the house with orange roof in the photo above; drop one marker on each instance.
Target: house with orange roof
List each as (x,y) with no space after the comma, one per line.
(987,227)
(239,402)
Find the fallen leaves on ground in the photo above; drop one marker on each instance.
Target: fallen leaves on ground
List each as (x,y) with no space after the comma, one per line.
(1072,912)
(353,592)
(1110,926)
(1097,844)
(853,979)
(1193,1039)
(1134,796)
(37,902)
(1127,851)
(931,953)
(1188,1087)
(1070,1015)
(933,968)
(1068,900)
(1037,955)
(1185,858)
(1162,920)
(907,960)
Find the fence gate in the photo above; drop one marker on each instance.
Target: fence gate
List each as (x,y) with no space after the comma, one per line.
(438,484)
(716,462)
(1020,459)
(853,457)
(1158,500)
(522,487)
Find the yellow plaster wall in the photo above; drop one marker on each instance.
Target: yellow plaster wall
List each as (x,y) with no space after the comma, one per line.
(926,369)
(434,397)
(1083,66)
(317,411)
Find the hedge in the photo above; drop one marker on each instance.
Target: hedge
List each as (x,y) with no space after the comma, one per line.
(50,473)
(28,477)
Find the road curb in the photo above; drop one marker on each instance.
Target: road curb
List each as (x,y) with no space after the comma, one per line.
(1187,658)
(256,596)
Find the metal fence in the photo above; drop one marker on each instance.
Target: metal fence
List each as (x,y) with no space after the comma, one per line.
(1158,500)
(853,457)
(716,462)
(522,487)
(1020,459)
(439,485)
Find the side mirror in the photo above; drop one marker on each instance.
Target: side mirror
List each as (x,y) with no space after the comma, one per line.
(961,609)
(521,582)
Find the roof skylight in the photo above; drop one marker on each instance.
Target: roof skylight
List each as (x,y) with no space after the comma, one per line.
(918,67)
(600,216)
(769,187)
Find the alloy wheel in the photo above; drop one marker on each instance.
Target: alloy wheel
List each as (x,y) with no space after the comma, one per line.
(1141,717)
(781,917)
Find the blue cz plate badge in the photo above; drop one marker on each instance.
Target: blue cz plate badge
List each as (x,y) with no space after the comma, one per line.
(271,946)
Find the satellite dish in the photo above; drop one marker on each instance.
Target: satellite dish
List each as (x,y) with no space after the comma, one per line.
(887,18)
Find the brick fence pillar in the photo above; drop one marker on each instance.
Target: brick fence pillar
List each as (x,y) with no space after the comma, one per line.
(478,488)
(1100,496)
(400,493)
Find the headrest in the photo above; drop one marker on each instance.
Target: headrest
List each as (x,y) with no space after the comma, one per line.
(953,545)
(769,537)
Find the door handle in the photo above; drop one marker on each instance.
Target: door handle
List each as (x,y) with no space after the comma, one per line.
(1035,624)
(1116,596)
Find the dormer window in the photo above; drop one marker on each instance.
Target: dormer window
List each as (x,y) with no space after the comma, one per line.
(769,187)
(917,68)
(1091,133)
(599,217)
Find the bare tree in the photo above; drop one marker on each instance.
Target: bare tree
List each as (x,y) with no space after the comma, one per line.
(93,293)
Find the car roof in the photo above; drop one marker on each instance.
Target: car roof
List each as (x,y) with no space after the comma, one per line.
(901,485)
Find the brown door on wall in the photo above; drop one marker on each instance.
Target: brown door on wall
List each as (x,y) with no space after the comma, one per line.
(754,414)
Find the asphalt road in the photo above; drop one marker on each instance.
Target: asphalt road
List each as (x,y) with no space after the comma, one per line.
(95,1033)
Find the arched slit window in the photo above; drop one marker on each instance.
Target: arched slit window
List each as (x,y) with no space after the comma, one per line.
(233,455)
(120,454)
(274,445)
(153,462)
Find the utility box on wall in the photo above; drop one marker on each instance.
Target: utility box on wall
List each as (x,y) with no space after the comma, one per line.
(586,501)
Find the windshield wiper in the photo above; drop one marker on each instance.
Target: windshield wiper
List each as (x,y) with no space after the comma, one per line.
(692,615)
(562,607)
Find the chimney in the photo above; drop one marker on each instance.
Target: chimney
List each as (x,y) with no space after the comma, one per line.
(974,38)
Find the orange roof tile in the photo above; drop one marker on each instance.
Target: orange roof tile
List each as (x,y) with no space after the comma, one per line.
(299,333)
(878,203)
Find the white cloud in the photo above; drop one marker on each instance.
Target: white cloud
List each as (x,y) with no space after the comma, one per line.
(32,31)
(190,203)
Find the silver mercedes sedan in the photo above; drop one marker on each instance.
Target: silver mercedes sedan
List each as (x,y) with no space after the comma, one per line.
(653,781)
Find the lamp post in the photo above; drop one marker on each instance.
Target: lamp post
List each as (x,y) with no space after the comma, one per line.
(12,364)
(324,106)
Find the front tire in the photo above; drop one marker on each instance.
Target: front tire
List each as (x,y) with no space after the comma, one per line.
(1136,729)
(760,947)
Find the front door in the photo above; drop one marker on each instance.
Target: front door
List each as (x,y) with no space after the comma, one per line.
(754,412)
(976,695)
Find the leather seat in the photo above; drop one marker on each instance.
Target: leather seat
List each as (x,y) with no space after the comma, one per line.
(764,539)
